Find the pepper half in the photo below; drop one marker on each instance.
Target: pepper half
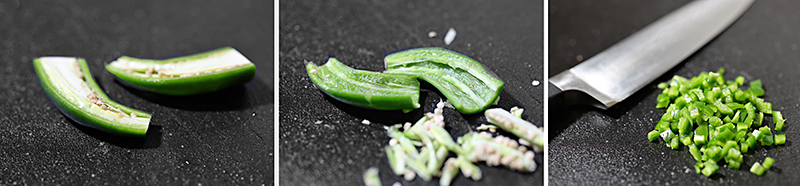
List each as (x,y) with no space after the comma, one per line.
(186,75)
(465,83)
(70,87)
(364,88)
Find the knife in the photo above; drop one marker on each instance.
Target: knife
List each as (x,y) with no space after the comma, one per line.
(619,71)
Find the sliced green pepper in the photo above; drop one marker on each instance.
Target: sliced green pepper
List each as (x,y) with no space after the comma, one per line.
(187,75)
(70,87)
(467,85)
(364,88)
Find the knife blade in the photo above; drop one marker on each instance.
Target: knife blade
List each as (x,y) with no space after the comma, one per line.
(619,71)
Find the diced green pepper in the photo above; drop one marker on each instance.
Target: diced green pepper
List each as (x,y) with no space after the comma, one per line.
(757,169)
(780,139)
(768,162)
(778,119)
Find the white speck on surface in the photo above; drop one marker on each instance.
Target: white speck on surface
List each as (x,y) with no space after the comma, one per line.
(449,36)
(432,34)
(365,122)
(536,83)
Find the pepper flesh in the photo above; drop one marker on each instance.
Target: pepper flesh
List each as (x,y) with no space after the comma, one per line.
(68,84)
(369,89)
(465,83)
(186,75)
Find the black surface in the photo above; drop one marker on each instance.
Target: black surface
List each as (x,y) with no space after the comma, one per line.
(220,138)
(322,141)
(593,147)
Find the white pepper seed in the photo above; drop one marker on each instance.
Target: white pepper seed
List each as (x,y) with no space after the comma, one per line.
(410,175)
(149,71)
(530,155)
(524,142)
(406,126)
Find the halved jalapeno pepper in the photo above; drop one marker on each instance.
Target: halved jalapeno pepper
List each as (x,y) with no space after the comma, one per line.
(187,75)
(465,83)
(364,88)
(70,87)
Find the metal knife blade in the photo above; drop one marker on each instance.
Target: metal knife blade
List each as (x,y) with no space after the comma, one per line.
(617,72)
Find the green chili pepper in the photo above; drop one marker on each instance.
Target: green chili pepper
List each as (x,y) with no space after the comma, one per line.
(757,169)
(70,87)
(187,75)
(780,139)
(364,88)
(653,135)
(709,168)
(768,162)
(778,119)
(467,85)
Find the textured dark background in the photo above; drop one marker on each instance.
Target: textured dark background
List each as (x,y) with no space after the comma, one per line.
(222,138)
(593,147)
(322,141)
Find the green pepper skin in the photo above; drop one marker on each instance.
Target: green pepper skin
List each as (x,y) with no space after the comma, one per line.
(363,88)
(68,92)
(460,78)
(213,76)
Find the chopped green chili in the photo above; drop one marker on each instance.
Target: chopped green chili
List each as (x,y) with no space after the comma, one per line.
(187,75)
(768,162)
(757,169)
(465,83)
(364,88)
(717,119)
(780,139)
(653,135)
(68,84)
(778,119)
(709,167)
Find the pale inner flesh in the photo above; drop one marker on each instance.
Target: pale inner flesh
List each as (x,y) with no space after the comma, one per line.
(66,76)
(215,62)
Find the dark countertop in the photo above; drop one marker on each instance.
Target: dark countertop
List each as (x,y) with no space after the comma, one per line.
(593,147)
(221,138)
(503,35)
